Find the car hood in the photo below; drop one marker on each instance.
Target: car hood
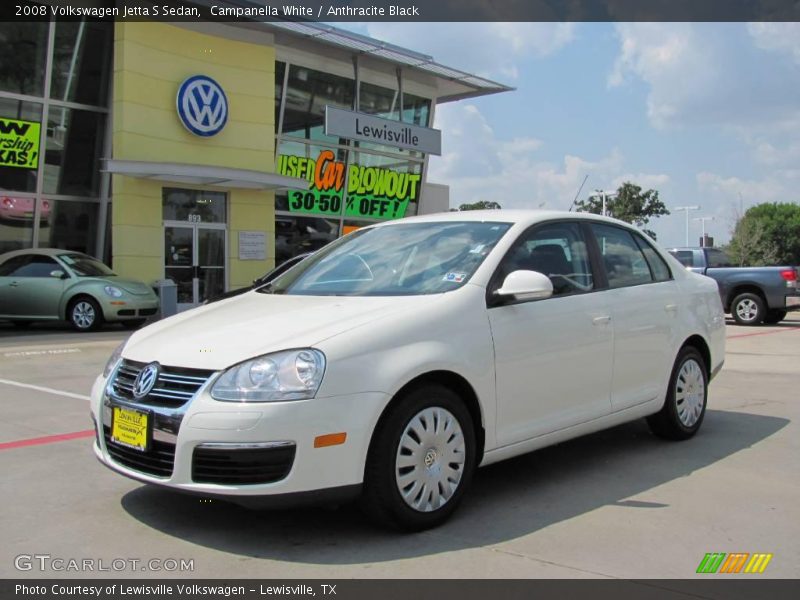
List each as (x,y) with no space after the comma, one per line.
(218,335)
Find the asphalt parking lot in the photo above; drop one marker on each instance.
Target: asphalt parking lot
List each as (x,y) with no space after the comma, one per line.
(618,504)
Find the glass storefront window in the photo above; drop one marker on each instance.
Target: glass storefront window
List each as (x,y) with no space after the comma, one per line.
(380,101)
(14,117)
(416,110)
(308,92)
(74,146)
(23,48)
(381,187)
(82,62)
(69,224)
(16,222)
(194,206)
(312,162)
(296,235)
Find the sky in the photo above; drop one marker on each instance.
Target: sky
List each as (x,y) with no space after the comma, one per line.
(707,114)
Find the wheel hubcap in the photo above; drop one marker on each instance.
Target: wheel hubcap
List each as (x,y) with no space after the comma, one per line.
(83,315)
(690,391)
(430,459)
(747,310)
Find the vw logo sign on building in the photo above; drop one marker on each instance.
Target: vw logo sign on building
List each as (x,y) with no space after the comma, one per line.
(145,380)
(202,106)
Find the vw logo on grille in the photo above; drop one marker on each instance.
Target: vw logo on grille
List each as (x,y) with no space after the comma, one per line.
(202,106)
(145,380)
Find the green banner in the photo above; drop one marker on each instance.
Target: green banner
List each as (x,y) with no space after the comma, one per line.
(372,192)
(19,143)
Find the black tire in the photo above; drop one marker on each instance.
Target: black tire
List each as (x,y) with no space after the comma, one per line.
(382,499)
(84,314)
(21,324)
(775,316)
(133,323)
(677,420)
(748,309)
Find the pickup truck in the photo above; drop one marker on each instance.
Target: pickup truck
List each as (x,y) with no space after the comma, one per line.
(752,295)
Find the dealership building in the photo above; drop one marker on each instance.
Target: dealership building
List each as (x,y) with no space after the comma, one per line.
(201,153)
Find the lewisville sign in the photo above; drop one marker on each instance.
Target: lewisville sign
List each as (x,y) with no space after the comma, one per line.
(377,130)
(372,192)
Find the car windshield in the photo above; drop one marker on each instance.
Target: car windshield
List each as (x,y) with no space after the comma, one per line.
(395,260)
(86,266)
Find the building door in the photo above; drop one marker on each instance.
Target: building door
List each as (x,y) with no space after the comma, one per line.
(194,258)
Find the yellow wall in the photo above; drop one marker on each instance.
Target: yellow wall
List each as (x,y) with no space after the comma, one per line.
(151,60)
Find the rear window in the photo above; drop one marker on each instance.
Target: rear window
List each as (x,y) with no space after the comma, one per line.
(717,258)
(685,257)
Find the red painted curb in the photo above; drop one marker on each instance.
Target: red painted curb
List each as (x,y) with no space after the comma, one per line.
(48,439)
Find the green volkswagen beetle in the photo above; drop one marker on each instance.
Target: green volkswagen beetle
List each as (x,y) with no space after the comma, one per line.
(49,284)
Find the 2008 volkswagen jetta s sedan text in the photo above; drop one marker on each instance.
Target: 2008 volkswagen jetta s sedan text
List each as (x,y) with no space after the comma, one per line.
(397,359)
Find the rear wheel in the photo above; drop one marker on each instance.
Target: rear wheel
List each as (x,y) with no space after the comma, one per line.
(775,316)
(685,406)
(748,309)
(421,460)
(84,314)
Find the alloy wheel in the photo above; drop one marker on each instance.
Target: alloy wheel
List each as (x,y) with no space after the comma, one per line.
(83,315)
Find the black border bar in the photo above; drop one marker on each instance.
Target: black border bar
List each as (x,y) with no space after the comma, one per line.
(711,588)
(412,11)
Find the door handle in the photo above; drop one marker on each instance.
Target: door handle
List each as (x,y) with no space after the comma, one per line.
(604,320)
(13,284)
(672,308)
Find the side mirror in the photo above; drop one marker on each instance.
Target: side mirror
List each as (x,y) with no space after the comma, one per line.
(526,285)
(58,274)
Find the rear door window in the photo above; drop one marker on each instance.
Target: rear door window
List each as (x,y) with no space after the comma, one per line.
(624,261)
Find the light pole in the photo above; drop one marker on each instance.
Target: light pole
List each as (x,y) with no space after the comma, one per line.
(703,222)
(687,209)
(603,195)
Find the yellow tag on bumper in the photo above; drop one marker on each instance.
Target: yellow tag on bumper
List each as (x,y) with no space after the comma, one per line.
(129,428)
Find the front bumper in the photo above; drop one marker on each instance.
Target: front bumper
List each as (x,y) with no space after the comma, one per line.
(129,307)
(204,422)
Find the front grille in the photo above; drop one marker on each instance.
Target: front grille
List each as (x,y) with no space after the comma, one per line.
(146,312)
(158,460)
(174,387)
(242,466)
(126,312)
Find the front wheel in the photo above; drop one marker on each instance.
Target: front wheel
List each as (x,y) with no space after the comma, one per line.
(683,411)
(84,314)
(748,309)
(421,460)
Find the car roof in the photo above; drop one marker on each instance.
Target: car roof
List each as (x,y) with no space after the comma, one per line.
(40,251)
(504,215)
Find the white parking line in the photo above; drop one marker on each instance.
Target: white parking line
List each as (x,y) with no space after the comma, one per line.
(46,390)
(43,352)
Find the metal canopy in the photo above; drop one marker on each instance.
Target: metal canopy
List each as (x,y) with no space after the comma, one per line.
(467,84)
(205,175)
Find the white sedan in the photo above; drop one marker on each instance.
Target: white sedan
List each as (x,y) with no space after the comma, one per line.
(397,359)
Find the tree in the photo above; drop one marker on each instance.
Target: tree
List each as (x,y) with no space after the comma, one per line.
(630,204)
(767,234)
(480,205)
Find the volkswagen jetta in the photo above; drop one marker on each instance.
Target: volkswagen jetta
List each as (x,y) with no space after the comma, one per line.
(397,359)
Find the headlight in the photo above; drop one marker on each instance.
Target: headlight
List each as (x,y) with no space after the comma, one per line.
(289,375)
(113,359)
(112,291)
